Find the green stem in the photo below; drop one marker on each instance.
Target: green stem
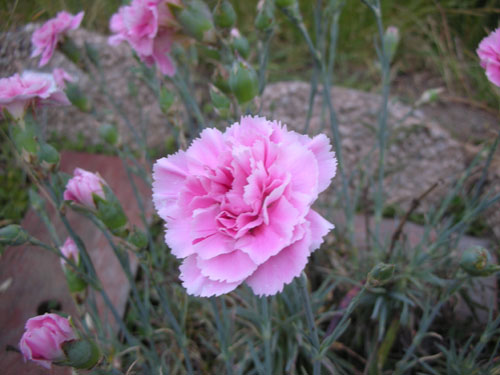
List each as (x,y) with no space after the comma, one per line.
(310,322)
(267,336)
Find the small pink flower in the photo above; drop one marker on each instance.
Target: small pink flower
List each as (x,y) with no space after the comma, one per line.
(237,205)
(45,38)
(148,26)
(82,186)
(489,55)
(31,88)
(42,341)
(70,251)
(61,77)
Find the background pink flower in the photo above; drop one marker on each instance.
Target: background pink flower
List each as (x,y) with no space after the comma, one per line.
(30,88)
(147,25)
(237,205)
(489,55)
(43,337)
(81,187)
(45,38)
(61,77)
(70,251)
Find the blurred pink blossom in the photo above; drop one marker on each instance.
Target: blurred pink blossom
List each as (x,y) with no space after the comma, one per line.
(61,77)
(45,38)
(43,338)
(237,205)
(149,27)
(70,251)
(489,55)
(82,186)
(31,88)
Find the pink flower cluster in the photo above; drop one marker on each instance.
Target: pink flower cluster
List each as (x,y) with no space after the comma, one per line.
(81,187)
(45,38)
(489,55)
(237,205)
(149,27)
(18,92)
(42,341)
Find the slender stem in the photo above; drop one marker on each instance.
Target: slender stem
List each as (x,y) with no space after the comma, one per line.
(310,322)
(267,336)
(221,329)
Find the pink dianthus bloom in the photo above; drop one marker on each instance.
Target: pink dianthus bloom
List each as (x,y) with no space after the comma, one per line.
(237,205)
(42,341)
(81,187)
(149,27)
(489,55)
(31,88)
(45,38)
(70,251)
(61,77)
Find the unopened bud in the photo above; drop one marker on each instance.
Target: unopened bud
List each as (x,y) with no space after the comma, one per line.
(13,235)
(220,102)
(92,54)
(196,19)
(81,354)
(243,82)
(109,134)
(110,211)
(77,97)
(224,15)
(166,99)
(391,41)
(380,274)
(138,238)
(48,157)
(265,15)
(477,261)
(240,43)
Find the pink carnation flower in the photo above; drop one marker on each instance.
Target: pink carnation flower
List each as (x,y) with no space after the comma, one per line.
(42,341)
(489,55)
(45,38)
(61,77)
(70,251)
(148,26)
(31,88)
(237,205)
(82,186)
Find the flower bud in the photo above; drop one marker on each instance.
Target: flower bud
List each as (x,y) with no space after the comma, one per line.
(166,99)
(83,186)
(44,337)
(220,102)
(380,274)
(265,15)
(224,15)
(196,19)
(243,82)
(477,261)
(81,354)
(391,41)
(24,138)
(77,97)
(48,157)
(109,134)
(110,211)
(13,235)
(240,43)
(138,238)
